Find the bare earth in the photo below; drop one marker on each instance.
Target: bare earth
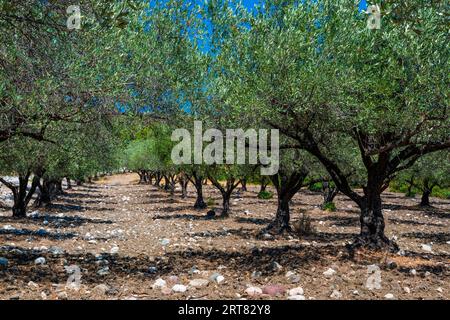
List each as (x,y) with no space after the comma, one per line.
(153,236)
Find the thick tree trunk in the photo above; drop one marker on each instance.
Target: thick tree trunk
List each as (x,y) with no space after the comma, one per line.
(44,196)
(427,189)
(329,193)
(22,197)
(287,185)
(184,181)
(199,203)
(372,234)
(141,177)
(282,218)
(226,204)
(425,200)
(244,185)
(158,180)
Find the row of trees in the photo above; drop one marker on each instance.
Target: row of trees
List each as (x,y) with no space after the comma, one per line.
(355,107)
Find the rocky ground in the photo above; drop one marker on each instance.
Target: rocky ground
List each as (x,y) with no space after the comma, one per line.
(116,239)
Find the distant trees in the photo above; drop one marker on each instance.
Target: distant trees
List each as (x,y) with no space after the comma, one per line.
(429,172)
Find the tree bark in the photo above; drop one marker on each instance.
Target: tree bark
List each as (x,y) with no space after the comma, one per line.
(21,196)
(286,185)
(244,185)
(372,234)
(69,184)
(184,181)
(226,204)
(329,193)
(197,181)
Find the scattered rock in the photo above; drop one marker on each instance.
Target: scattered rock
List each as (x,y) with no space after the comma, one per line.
(296,291)
(152,270)
(114,250)
(336,294)
(164,242)
(329,273)
(413,272)
(256,274)
(173,279)
(274,290)
(216,277)
(159,283)
(198,283)
(103,271)
(3,263)
(40,261)
(426,248)
(407,290)
(33,285)
(253,291)
(389,296)
(179,288)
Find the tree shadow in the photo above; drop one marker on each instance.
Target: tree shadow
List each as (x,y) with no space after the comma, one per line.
(430,211)
(176,209)
(54,221)
(414,222)
(340,221)
(41,233)
(257,221)
(181,217)
(243,233)
(437,237)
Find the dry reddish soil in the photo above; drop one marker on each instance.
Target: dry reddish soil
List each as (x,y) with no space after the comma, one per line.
(82,227)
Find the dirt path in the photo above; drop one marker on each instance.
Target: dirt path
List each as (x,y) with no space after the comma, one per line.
(124,236)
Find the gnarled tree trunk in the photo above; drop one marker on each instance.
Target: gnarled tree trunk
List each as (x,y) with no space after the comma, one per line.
(197,181)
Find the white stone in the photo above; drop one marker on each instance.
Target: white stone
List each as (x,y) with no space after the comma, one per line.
(289,274)
(40,260)
(296,291)
(220,279)
(253,291)
(329,273)
(426,248)
(407,290)
(336,294)
(389,296)
(159,283)
(114,250)
(197,283)
(179,288)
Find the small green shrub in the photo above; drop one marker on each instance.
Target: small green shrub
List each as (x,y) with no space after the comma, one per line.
(329,206)
(265,195)
(210,202)
(316,187)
